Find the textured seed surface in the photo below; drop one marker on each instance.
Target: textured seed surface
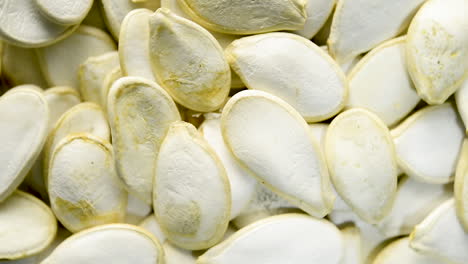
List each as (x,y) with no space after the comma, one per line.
(233,131)
(247,17)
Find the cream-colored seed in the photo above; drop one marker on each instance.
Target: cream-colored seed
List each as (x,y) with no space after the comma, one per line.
(83,186)
(24,122)
(362,164)
(22,238)
(140,113)
(192,194)
(233,131)
(291,167)
(188,62)
(438,49)
(247,17)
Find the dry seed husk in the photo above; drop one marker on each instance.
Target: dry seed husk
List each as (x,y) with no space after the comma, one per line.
(140,113)
(27,225)
(293,167)
(192,194)
(83,186)
(362,163)
(247,17)
(24,122)
(188,62)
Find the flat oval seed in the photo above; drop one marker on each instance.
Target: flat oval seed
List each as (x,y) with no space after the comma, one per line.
(360,25)
(84,189)
(82,118)
(441,235)
(62,234)
(362,163)
(380,83)
(290,238)
(134,46)
(94,17)
(461,186)
(116,244)
(428,143)
(64,12)
(400,252)
(192,196)
(91,75)
(247,17)
(188,62)
(140,113)
(24,120)
(241,182)
(21,66)
(317,13)
(273,141)
(84,43)
(27,226)
(437,49)
(114,12)
(22,24)
(414,200)
(223,39)
(292,68)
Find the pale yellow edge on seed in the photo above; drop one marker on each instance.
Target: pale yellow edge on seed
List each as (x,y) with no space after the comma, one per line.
(328,197)
(198,139)
(206,34)
(81,72)
(220,29)
(52,223)
(48,152)
(122,41)
(401,128)
(67,32)
(461,176)
(63,90)
(422,80)
(231,58)
(334,38)
(110,78)
(335,19)
(421,230)
(81,30)
(369,56)
(136,229)
(21,175)
(388,138)
(92,139)
(224,244)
